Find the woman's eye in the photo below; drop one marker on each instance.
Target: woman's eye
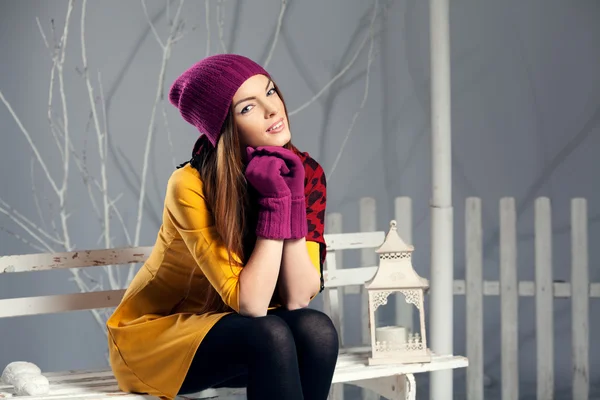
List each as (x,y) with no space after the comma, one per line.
(272,91)
(246,109)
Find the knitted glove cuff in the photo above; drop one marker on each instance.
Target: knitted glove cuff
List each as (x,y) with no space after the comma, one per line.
(298,222)
(274,217)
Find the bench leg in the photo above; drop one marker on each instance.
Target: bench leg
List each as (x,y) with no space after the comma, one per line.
(336,392)
(399,387)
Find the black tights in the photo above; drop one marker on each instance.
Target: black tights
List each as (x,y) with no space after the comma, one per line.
(286,354)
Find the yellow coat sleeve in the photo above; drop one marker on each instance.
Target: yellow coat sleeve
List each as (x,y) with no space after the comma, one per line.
(314,254)
(315,258)
(187,210)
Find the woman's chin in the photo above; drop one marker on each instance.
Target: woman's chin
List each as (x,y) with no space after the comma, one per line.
(278,139)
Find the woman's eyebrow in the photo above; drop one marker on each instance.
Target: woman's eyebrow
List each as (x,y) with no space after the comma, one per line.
(251,98)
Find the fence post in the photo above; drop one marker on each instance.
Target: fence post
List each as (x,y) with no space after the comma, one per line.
(544,299)
(474,297)
(580,292)
(334,298)
(368,223)
(509,299)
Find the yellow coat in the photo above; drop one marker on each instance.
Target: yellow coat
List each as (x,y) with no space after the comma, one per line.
(154,333)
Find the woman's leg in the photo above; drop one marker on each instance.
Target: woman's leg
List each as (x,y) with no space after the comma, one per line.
(257,351)
(317,347)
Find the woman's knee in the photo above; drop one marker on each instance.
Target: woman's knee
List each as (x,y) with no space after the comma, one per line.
(270,332)
(315,326)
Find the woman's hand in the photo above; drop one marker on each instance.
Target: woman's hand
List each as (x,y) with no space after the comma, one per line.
(265,174)
(292,173)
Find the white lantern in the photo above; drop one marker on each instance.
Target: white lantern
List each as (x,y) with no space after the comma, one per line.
(395,274)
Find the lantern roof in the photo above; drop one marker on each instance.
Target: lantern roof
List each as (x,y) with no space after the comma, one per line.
(393,243)
(395,271)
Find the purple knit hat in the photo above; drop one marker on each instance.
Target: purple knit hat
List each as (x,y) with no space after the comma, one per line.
(204,92)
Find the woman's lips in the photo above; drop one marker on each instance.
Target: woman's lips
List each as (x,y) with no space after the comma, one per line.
(276,127)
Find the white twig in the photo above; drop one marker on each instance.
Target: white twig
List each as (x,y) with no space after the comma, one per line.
(34,148)
(154,31)
(100,133)
(207,20)
(89,276)
(220,23)
(104,118)
(122,222)
(53,55)
(169,136)
(53,128)
(87,179)
(84,288)
(17,216)
(25,227)
(159,97)
(365,95)
(35,195)
(22,239)
(63,190)
(335,78)
(277,31)
(43,35)
(101,137)
(168,8)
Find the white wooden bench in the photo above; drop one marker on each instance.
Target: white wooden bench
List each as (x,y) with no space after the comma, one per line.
(391,381)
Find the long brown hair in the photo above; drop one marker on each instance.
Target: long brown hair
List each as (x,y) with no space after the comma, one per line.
(221,169)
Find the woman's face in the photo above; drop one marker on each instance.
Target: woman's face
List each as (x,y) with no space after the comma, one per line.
(259,114)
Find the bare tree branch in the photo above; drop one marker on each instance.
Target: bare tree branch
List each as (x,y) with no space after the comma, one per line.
(169,134)
(156,35)
(34,148)
(166,54)
(22,239)
(220,23)
(100,133)
(207,20)
(277,30)
(159,97)
(62,192)
(35,194)
(19,220)
(17,215)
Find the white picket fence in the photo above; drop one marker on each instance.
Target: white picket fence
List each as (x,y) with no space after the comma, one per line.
(474,288)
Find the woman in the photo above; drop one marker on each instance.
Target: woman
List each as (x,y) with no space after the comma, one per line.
(222,299)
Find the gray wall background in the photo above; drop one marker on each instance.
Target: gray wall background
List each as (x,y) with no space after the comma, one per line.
(525,120)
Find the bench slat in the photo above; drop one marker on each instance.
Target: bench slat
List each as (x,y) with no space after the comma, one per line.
(110,298)
(347,277)
(351,366)
(132,255)
(359,240)
(74,259)
(59,303)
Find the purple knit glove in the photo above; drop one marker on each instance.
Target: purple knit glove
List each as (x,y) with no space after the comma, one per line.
(294,180)
(264,173)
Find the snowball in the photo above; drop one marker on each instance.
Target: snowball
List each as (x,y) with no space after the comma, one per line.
(28,384)
(16,368)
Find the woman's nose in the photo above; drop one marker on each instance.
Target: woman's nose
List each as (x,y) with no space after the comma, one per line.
(271,110)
